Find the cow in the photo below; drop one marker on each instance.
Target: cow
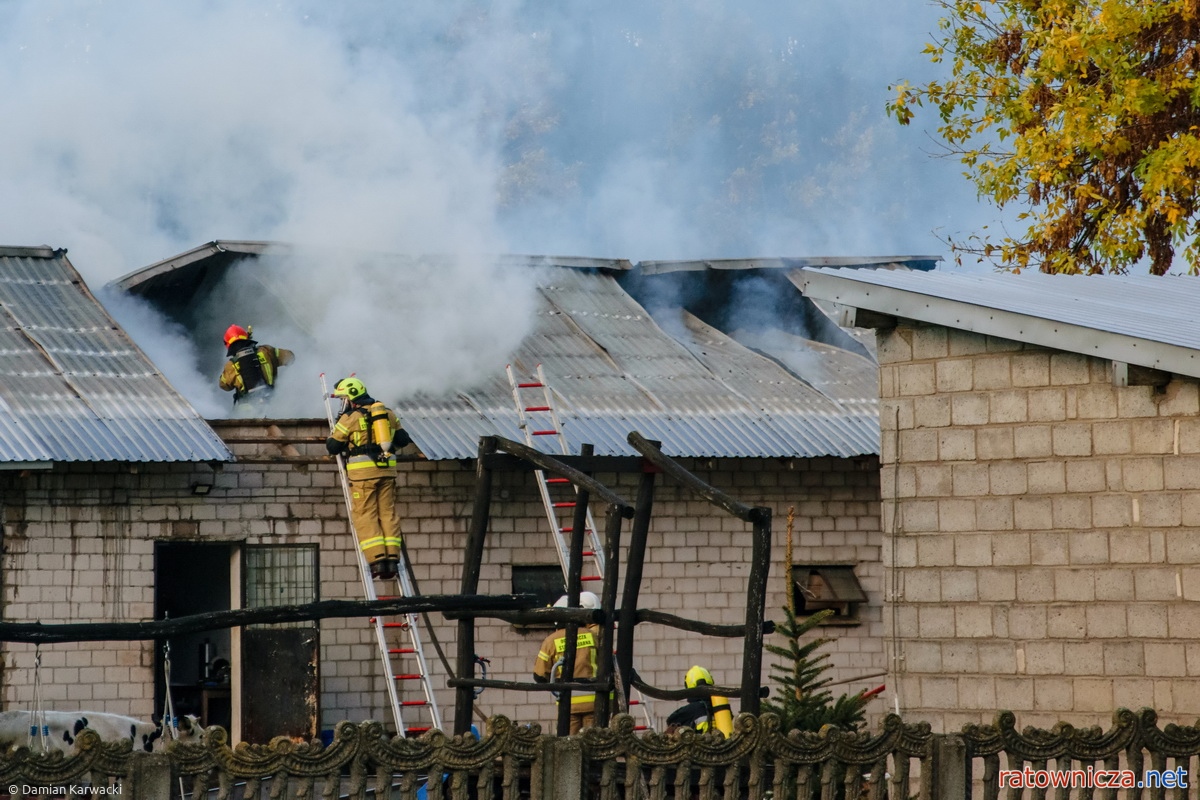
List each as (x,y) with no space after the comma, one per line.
(65,726)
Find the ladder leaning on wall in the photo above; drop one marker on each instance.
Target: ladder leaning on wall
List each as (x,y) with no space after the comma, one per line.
(547,425)
(397,638)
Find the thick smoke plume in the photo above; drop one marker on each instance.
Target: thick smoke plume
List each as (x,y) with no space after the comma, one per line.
(137,130)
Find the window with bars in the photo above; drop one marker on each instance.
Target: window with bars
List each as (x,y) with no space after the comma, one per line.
(279,575)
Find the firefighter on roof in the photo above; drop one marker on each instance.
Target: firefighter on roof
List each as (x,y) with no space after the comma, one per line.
(369,434)
(548,666)
(252,368)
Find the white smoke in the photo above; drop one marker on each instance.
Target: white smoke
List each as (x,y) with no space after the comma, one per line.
(137,130)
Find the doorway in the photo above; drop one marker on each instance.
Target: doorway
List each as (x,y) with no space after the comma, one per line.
(192,578)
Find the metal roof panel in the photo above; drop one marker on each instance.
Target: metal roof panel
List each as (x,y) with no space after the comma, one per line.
(73,386)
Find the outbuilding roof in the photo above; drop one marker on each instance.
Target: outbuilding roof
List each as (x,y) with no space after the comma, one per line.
(73,386)
(665,348)
(1149,321)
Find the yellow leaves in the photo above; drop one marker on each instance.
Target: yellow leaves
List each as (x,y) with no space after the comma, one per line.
(1096,99)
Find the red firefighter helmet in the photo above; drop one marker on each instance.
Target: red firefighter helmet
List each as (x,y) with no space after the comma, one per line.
(235,332)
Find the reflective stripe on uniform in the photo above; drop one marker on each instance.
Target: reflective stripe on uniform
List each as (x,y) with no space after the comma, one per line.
(392,541)
(368,463)
(374,541)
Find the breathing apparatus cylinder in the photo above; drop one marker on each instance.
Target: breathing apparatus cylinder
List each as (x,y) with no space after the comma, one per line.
(381,432)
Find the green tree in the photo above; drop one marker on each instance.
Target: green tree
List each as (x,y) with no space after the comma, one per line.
(1087,112)
(801,699)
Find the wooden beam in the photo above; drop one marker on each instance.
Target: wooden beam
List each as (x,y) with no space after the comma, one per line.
(695,626)
(42,633)
(678,473)
(552,464)
(635,555)
(464,698)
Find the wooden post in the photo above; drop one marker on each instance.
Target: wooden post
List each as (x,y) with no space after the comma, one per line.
(464,697)
(635,557)
(574,587)
(756,601)
(608,601)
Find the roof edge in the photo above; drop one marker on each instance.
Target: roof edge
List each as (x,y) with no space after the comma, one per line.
(38,251)
(659,267)
(1012,325)
(247,247)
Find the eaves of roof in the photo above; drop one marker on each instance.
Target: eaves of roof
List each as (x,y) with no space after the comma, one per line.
(1147,321)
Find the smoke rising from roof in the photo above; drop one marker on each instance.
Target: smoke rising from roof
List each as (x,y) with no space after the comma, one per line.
(139,129)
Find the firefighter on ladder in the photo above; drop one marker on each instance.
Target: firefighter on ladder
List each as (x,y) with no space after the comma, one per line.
(252,368)
(548,666)
(369,434)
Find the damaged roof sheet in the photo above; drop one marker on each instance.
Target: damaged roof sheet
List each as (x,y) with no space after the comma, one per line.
(73,386)
(614,368)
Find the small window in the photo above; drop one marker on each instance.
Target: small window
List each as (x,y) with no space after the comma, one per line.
(279,575)
(544,582)
(833,586)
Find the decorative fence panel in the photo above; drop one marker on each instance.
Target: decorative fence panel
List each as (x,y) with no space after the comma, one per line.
(512,762)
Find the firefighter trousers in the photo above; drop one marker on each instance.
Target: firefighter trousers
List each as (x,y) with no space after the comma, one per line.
(373,513)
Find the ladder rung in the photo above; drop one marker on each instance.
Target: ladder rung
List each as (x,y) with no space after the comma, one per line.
(592,578)
(537,408)
(570,528)
(407,677)
(395,624)
(401,651)
(416,728)
(529,385)
(564,504)
(544,433)
(413,703)
(558,480)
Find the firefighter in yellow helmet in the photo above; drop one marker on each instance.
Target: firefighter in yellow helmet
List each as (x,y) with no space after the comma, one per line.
(368,433)
(252,368)
(704,713)
(549,664)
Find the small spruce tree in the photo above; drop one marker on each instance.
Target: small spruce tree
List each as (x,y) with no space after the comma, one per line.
(801,700)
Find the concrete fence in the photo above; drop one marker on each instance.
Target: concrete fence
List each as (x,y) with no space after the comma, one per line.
(899,761)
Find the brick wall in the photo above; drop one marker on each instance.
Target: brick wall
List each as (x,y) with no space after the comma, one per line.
(1046,542)
(79,547)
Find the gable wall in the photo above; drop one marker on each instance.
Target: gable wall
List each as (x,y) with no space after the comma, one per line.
(1046,549)
(79,543)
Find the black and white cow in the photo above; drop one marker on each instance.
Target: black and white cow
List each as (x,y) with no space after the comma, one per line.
(65,726)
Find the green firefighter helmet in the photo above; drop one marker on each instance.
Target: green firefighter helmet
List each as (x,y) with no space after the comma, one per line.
(349,388)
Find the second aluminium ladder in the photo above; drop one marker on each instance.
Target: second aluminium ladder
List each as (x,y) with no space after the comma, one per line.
(397,638)
(547,424)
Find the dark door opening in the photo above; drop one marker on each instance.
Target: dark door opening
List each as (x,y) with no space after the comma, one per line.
(191,578)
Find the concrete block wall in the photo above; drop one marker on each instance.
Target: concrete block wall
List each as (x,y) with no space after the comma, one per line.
(80,542)
(1042,532)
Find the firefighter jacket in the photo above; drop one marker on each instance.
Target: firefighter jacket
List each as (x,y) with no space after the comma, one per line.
(252,366)
(548,667)
(356,434)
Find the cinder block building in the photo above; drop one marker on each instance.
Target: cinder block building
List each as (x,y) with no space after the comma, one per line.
(1040,467)
(243,513)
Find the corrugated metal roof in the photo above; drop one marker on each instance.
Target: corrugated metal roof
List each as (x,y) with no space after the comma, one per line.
(1143,310)
(707,391)
(73,386)
(614,369)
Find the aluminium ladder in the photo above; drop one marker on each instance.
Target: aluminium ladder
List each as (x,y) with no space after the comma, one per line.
(395,637)
(593,558)
(562,543)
